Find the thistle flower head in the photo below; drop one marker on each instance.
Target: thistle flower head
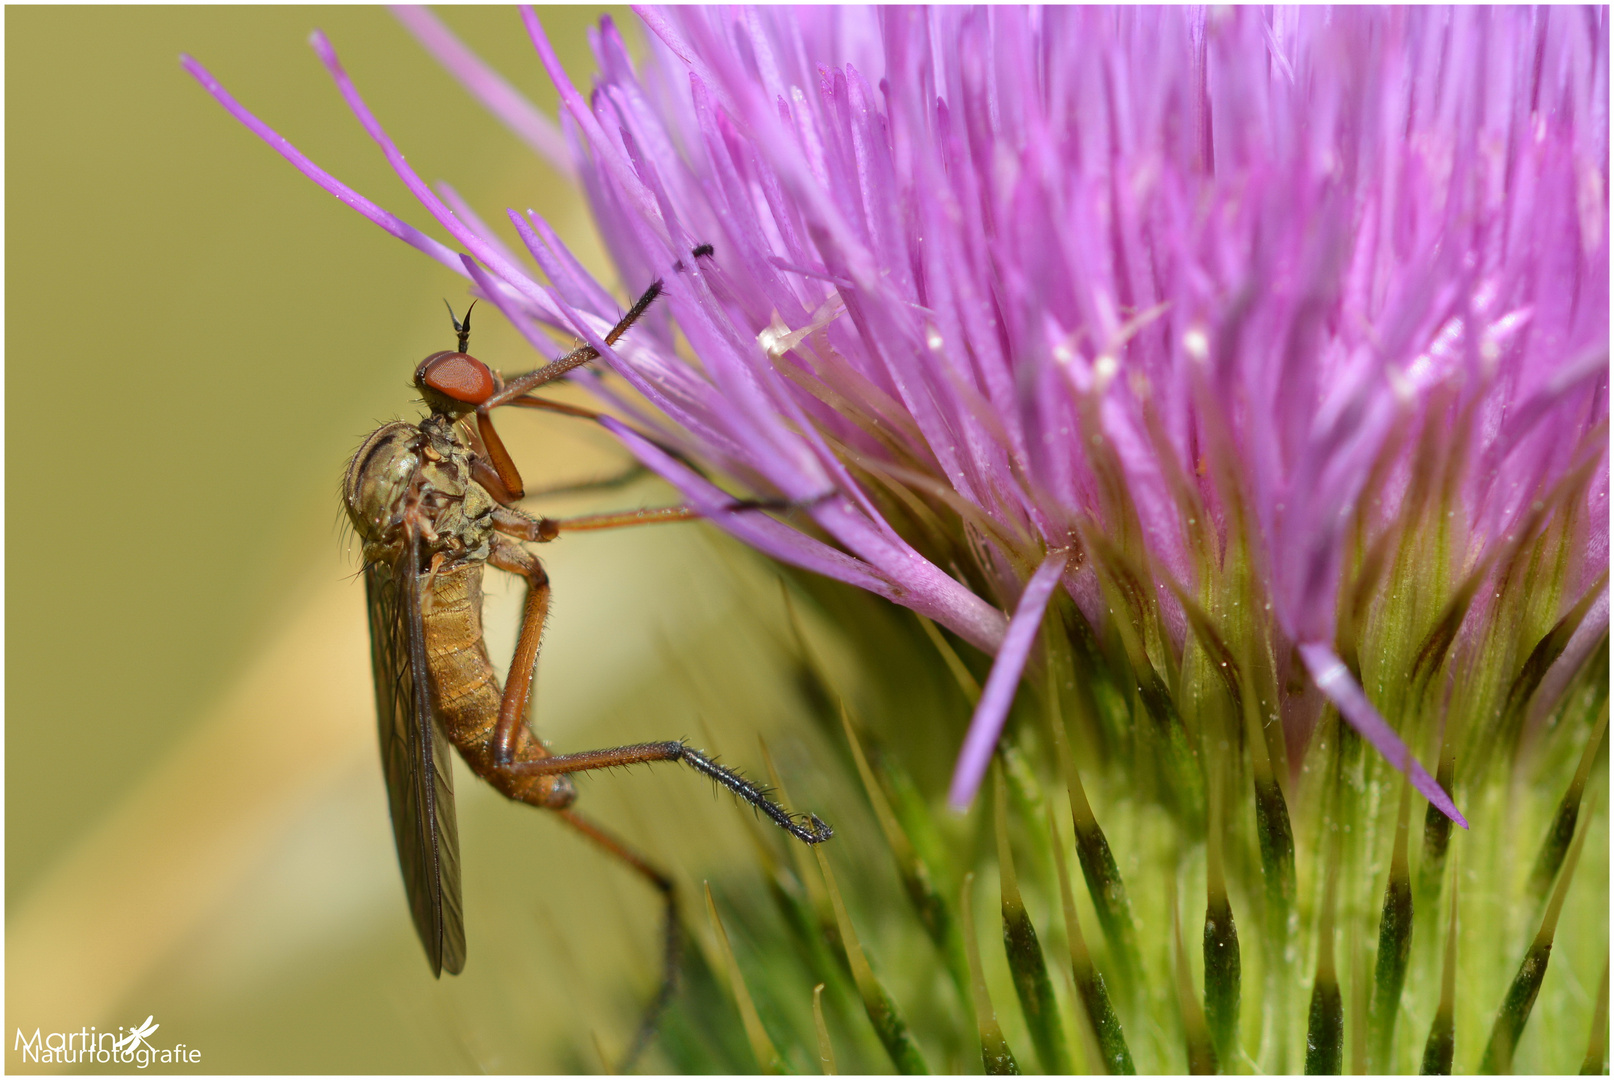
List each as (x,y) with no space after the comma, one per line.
(1152,300)
(1248,367)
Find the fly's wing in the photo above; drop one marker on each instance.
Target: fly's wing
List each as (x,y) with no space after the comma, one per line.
(415,758)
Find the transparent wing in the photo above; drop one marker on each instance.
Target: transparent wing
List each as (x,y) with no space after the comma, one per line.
(415,759)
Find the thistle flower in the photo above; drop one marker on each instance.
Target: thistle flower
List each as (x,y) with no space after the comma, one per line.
(1236,381)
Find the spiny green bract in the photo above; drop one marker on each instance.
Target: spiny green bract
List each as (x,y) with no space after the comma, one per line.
(1273,1002)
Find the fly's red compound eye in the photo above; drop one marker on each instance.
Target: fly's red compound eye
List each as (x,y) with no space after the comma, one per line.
(457,376)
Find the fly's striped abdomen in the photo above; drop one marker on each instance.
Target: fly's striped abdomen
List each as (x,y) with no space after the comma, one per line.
(468,690)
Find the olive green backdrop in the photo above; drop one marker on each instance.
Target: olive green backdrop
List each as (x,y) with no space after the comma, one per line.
(197,338)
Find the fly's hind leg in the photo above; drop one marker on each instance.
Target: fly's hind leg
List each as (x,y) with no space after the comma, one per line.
(512,557)
(557,797)
(672,943)
(516,559)
(809,829)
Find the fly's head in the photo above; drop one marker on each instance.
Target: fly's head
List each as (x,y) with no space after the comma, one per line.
(454,383)
(407,479)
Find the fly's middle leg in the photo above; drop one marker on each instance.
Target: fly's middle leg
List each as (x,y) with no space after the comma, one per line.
(657,514)
(543,530)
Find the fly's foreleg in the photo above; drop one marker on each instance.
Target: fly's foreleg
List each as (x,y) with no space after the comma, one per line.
(492,481)
(521,384)
(672,947)
(491,464)
(510,489)
(503,464)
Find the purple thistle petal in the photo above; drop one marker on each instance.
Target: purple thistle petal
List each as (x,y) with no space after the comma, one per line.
(509,274)
(489,87)
(917,583)
(559,265)
(998,694)
(463,210)
(1331,677)
(608,149)
(390,222)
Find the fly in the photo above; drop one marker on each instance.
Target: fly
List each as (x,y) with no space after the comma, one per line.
(434,503)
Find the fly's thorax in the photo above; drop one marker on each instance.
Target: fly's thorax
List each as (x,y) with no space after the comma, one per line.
(457,508)
(409,477)
(377,482)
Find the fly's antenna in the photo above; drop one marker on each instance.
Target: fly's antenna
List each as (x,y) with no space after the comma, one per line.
(463,329)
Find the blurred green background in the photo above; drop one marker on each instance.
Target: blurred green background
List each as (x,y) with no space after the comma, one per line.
(195,827)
